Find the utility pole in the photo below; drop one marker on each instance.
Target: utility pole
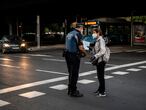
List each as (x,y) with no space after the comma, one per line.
(17,27)
(38,31)
(10,29)
(132,30)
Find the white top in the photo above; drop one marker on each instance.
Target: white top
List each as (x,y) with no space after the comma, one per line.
(99,49)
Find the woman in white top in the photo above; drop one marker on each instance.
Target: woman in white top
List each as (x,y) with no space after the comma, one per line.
(99,51)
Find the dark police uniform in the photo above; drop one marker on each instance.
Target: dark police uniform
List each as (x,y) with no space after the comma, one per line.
(73,40)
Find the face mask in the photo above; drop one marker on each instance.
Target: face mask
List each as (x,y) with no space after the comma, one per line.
(94,36)
(81,31)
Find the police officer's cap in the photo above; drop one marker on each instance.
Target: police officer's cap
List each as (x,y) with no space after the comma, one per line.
(77,25)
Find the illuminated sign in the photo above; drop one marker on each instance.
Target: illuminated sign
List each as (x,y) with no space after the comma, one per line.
(90,23)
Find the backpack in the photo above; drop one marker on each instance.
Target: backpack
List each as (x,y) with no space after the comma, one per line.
(106,56)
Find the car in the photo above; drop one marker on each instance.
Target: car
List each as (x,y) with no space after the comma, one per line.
(12,43)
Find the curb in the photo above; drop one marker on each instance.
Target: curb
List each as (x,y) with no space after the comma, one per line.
(114,48)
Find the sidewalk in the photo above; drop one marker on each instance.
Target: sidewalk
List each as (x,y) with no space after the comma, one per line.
(114,48)
(55,46)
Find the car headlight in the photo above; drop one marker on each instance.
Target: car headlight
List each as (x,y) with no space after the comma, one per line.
(23,45)
(6,45)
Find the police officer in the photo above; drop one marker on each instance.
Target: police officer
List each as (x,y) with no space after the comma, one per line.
(74,52)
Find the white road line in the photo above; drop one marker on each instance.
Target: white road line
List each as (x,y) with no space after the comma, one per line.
(21,57)
(59,60)
(3,103)
(39,70)
(120,73)
(133,50)
(133,69)
(112,65)
(89,63)
(141,51)
(19,87)
(6,59)
(10,66)
(125,65)
(32,94)
(59,87)
(40,55)
(86,81)
(143,67)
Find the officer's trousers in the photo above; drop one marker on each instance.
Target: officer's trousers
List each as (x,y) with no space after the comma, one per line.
(73,65)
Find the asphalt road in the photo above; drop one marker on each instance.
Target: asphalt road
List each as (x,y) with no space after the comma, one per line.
(38,81)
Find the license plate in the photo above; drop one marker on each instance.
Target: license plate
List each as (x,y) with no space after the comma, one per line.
(15,47)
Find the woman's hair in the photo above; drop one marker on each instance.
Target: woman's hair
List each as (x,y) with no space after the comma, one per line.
(98,30)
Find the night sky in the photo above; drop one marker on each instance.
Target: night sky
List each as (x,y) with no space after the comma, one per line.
(59,10)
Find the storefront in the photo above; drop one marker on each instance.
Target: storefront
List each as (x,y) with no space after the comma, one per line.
(139,30)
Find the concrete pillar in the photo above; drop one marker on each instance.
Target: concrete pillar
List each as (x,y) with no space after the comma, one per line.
(10,29)
(38,31)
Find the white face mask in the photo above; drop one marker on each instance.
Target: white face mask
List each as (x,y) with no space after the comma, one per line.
(94,36)
(81,31)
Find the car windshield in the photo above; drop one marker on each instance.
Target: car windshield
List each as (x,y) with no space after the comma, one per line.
(11,39)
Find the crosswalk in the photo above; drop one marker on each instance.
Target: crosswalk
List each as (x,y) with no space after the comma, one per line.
(61,86)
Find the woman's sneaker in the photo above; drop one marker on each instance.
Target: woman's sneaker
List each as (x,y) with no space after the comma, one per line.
(97,92)
(101,94)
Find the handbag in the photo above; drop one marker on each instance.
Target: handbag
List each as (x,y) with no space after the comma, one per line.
(93,60)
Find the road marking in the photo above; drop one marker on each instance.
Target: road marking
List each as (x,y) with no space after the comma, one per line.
(19,87)
(133,69)
(125,65)
(40,55)
(59,87)
(10,66)
(32,94)
(23,86)
(106,76)
(111,65)
(120,72)
(86,81)
(6,59)
(89,63)
(141,51)
(143,67)
(22,57)
(39,70)
(135,50)
(3,103)
(54,59)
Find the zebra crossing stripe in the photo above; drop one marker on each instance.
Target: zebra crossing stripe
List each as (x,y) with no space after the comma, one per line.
(32,94)
(19,87)
(3,103)
(133,69)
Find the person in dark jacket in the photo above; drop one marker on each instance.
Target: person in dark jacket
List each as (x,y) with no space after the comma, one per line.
(74,52)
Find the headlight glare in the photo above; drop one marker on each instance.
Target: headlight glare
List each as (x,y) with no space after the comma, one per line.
(6,45)
(23,45)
